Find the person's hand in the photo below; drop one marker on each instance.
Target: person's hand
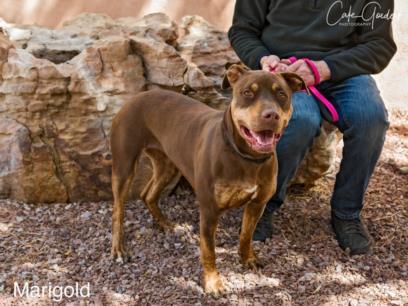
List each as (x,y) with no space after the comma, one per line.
(272,63)
(269,63)
(324,70)
(281,67)
(303,70)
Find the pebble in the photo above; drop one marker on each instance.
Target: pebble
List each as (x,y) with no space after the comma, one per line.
(353,303)
(86,215)
(19,219)
(307,277)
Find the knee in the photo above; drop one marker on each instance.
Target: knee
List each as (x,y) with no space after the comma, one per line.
(370,125)
(379,119)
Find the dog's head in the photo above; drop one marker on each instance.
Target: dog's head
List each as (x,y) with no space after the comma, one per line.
(261,106)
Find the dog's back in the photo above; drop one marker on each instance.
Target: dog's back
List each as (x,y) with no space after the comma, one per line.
(163,120)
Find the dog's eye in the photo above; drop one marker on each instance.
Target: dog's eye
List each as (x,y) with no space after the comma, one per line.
(248,93)
(281,95)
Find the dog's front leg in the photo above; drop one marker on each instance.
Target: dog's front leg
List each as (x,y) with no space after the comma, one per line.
(208,225)
(252,213)
(118,250)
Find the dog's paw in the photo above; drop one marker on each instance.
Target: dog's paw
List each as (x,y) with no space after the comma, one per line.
(168,226)
(213,284)
(253,263)
(119,255)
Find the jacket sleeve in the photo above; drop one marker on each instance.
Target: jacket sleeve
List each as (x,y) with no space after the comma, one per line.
(245,32)
(374,49)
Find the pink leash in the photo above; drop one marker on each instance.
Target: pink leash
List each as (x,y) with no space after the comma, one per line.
(318,95)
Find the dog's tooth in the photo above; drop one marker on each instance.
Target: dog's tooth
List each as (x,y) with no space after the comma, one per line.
(258,138)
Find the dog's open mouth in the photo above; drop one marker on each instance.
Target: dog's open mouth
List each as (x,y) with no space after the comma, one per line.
(263,141)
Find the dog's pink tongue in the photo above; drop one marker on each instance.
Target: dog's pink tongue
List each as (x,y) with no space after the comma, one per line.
(264,137)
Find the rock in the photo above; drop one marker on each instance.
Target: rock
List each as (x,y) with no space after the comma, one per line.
(5,46)
(397,302)
(59,90)
(208,51)
(205,46)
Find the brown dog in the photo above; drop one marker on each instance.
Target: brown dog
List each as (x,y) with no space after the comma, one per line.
(228,157)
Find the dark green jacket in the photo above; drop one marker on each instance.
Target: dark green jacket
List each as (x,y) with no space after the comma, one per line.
(317,29)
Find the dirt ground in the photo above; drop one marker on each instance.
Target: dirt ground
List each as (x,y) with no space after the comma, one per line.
(66,243)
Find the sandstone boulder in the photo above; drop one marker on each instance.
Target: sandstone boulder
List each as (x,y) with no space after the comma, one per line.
(59,90)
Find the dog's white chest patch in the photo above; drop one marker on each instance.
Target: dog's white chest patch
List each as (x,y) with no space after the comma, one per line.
(230,195)
(252,190)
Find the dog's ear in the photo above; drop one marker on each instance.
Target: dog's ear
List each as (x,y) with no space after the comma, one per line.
(295,82)
(233,74)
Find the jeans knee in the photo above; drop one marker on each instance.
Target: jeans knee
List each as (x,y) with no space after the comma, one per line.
(371,126)
(380,122)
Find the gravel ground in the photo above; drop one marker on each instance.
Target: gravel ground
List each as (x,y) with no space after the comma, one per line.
(62,244)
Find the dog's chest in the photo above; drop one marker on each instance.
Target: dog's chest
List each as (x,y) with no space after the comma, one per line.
(230,195)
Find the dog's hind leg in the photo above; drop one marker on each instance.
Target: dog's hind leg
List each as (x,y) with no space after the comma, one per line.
(121,182)
(164,172)
(124,159)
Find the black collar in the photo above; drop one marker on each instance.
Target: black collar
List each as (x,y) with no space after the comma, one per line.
(230,141)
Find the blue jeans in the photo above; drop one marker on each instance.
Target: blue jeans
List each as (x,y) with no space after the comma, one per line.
(363,123)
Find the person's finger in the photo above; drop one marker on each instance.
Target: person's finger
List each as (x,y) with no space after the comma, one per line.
(269,59)
(273,64)
(306,73)
(285,61)
(266,67)
(267,63)
(295,66)
(272,60)
(309,80)
(281,67)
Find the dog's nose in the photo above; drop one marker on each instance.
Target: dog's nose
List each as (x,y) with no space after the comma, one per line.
(270,114)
